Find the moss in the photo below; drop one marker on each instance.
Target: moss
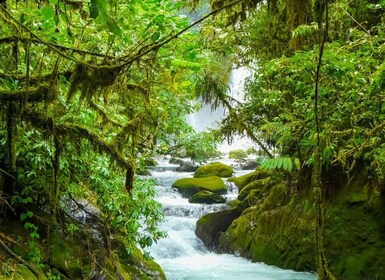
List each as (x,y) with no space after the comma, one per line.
(210,226)
(21,272)
(244,180)
(190,186)
(278,229)
(206,197)
(66,256)
(253,185)
(278,196)
(214,169)
(237,154)
(136,264)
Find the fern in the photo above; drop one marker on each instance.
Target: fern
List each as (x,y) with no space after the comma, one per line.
(304,30)
(187,64)
(285,163)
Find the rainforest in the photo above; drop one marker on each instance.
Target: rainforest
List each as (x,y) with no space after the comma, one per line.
(95,97)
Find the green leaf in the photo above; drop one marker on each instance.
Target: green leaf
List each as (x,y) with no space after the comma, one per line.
(48,12)
(280,162)
(114,27)
(155,36)
(22,18)
(297,163)
(94,9)
(23,216)
(117,220)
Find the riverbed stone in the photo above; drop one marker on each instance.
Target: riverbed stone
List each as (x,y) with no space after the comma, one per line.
(207,197)
(237,154)
(249,164)
(210,226)
(190,186)
(214,169)
(187,167)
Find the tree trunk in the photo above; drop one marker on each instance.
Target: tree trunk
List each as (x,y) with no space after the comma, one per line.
(299,12)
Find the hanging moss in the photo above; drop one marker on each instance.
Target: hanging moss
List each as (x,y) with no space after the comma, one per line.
(90,80)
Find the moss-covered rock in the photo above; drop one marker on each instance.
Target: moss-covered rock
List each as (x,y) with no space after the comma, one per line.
(207,197)
(244,180)
(278,228)
(67,256)
(209,227)
(190,186)
(237,154)
(214,169)
(259,185)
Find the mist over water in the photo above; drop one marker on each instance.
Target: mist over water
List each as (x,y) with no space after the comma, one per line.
(206,118)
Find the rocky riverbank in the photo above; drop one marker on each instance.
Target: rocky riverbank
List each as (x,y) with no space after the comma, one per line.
(274,222)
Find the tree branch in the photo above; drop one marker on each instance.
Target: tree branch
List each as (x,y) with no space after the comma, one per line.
(41,93)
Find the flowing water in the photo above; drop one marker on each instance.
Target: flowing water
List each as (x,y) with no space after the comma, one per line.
(183,256)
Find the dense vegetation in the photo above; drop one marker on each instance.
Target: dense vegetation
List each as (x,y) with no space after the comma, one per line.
(90,90)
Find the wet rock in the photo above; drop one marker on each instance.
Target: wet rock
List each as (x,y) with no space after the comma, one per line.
(206,197)
(187,167)
(190,186)
(214,169)
(249,165)
(237,154)
(210,226)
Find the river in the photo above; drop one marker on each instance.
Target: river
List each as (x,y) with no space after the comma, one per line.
(183,256)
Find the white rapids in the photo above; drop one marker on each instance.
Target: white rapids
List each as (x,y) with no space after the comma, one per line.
(183,256)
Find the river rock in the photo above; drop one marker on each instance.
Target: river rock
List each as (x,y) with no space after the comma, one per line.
(210,226)
(190,186)
(237,154)
(187,167)
(249,165)
(207,197)
(175,160)
(214,169)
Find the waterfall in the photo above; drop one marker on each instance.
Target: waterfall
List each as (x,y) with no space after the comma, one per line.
(206,118)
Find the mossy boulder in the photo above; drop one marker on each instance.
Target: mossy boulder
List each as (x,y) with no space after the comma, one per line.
(244,180)
(190,186)
(67,256)
(207,197)
(209,227)
(237,154)
(139,267)
(260,185)
(278,226)
(214,169)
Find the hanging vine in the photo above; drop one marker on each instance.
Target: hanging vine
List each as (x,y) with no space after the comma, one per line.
(323,272)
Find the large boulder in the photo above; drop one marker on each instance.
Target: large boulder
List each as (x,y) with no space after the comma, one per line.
(210,226)
(190,186)
(214,169)
(207,197)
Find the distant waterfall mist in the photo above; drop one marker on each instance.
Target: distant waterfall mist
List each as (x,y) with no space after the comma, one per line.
(206,118)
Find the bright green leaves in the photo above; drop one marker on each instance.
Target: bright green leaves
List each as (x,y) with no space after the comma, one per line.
(48,12)
(24,216)
(284,163)
(100,10)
